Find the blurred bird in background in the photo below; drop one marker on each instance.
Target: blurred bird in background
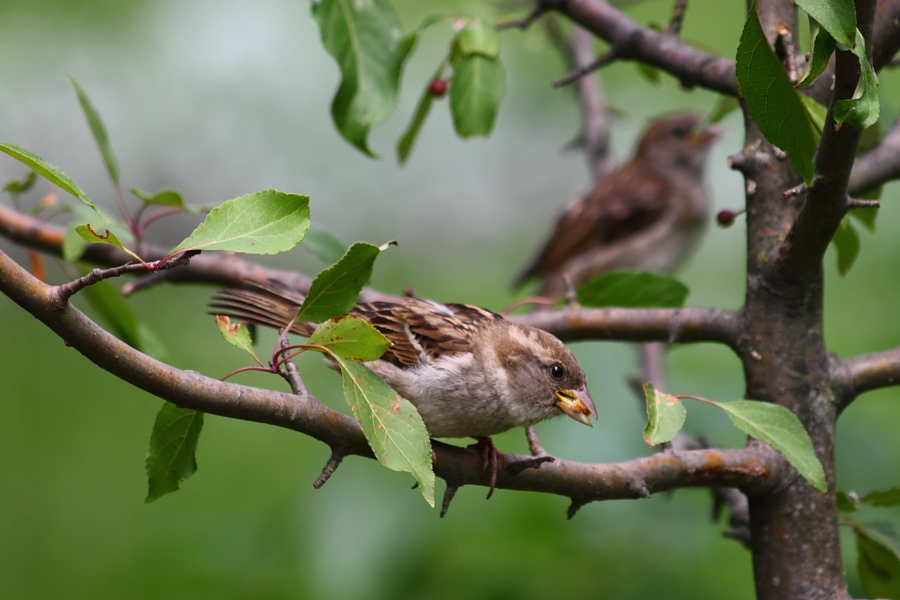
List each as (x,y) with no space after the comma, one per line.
(646,216)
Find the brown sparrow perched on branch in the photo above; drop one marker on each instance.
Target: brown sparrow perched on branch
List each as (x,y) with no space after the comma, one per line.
(647,215)
(468,371)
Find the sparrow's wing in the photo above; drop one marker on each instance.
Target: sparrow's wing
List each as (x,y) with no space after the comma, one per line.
(628,201)
(270,304)
(421,330)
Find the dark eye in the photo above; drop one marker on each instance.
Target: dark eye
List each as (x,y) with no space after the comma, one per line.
(557,371)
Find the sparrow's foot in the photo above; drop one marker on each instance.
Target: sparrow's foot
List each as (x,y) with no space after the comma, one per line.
(490,459)
(533,443)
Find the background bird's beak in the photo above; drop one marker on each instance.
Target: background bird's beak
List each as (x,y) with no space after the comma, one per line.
(577,404)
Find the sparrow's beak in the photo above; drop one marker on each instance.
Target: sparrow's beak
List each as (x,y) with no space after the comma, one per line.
(577,404)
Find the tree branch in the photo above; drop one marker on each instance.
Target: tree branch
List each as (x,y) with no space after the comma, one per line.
(886,33)
(216,268)
(631,41)
(868,372)
(750,469)
(878,166)
(670,325)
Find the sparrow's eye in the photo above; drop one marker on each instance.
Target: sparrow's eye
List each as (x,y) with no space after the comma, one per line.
(557,371)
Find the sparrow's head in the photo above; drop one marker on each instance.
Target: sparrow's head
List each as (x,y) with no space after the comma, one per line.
(544,377)
(678,141)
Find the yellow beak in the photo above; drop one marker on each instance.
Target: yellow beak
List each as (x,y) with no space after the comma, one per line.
(577,404)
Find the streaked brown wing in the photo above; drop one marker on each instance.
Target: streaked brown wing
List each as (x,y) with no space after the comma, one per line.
(418,327)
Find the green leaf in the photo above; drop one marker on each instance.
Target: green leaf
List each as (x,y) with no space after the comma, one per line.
(838,17)
(350,337)
(478,37)
(633,289)
(847,502)
(173,445)
(649,72)
(265,222)
(846,242)
(889,497)
(476,90)
(324,245)
(864,108)
(20,186)
(724,106)
(89,234)
(335,290)
(781,429)
(816,112)
(391,424)
(98,130)
(665,416)
(161,198)
(879,562)
(365,40)
(821,48)
(73,245)
(771,99)
(236,334)
(46,170)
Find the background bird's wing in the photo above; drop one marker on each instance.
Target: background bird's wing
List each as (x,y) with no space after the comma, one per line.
(632,199)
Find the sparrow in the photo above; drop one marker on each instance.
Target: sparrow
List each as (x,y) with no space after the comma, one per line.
(648,215)
(468,371)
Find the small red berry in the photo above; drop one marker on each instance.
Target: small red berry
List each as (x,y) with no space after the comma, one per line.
(438,87)
(725,218)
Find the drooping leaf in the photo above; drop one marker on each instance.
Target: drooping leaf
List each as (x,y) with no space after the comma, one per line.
(391,424)
(837,17)
(335,290)
(781,429)
(878,560)
(50,172)
(20,186)
(477,87)
(846,243)
(324,245)
(98,130)
(108,236)
(665,416)
(771,99)
(237,334)
(889,497)
(633,289)
(173,445)
(846,502)
(264,222)
(365,40)
(821,48)
(864,108)
(351,337)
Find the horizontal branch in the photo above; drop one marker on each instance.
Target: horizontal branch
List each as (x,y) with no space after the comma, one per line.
(750,469)
(671,325)
(216,268)
(878,166)
(665,51)
(868,372)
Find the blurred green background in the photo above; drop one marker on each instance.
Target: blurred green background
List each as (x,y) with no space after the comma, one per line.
(221,99)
